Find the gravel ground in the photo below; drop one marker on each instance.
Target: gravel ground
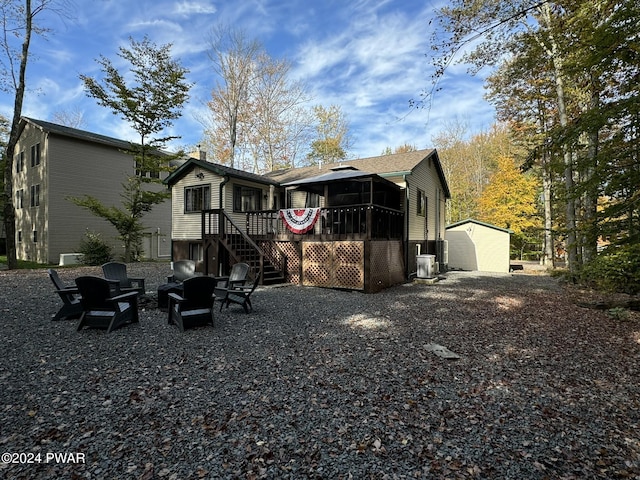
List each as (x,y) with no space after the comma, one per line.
(328,384)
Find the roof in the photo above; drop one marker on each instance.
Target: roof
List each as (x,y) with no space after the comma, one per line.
(86,136)
(397,164)
(330,176)
(76,133)
(338,175)
(218,169)
(478,222)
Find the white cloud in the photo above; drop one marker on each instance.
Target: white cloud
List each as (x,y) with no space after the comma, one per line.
(368,56)
(194,8)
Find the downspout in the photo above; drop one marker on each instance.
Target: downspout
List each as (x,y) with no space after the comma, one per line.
(222,185)
(220,197)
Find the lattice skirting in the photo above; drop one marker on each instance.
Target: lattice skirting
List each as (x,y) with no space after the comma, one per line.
(333,264)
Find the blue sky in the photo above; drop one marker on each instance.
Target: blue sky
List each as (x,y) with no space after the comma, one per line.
(368,56)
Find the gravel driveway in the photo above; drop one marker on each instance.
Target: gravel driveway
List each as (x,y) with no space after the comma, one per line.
(325,384)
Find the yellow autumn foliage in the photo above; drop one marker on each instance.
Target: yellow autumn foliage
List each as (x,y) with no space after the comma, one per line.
(510,200)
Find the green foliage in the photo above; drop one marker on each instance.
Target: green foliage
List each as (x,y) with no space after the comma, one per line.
(24,264)
(149,98)
(332,136)
(616,269)
(128,219)
(95,250)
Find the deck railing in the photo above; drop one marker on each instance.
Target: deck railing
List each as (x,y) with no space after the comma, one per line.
(365,221)
(217,222)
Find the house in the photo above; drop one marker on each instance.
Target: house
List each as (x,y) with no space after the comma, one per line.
(52,163)
(353,225)
(478,246)
(197,187)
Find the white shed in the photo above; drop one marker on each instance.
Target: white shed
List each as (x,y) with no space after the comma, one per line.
(479,246)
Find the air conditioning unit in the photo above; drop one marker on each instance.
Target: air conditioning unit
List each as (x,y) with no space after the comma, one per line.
(426,266)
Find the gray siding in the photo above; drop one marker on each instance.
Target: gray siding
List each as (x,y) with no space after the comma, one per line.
(71,167)
(425,178)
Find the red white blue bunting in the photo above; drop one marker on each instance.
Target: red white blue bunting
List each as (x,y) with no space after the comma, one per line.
(300,220)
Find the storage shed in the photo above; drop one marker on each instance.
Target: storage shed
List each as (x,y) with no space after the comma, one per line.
(478,246)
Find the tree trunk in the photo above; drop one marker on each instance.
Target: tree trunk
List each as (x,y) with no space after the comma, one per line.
(19,84)
(548,255)
(571,246)
(590,199)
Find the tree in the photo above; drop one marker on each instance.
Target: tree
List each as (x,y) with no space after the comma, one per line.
(332,136)
(495,27)
(258,119)
(570,87)
(4,137)
(69,118)
(149,100)
(522,91)
(234,59)
(469,163)
(18,27)
(510,201)
(278,122)
(404,148)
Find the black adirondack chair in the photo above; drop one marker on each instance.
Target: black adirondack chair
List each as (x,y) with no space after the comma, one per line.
(71,306)
(102,310)
(237,277)
(182,269)
(116,272)
(193,307)
(239,295)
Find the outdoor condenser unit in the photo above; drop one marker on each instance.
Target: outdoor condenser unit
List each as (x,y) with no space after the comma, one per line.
(426,265)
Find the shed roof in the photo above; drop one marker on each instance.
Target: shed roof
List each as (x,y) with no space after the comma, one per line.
(478,222)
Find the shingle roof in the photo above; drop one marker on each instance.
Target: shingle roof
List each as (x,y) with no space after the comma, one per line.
(385,165)
(218,169)
(76,133)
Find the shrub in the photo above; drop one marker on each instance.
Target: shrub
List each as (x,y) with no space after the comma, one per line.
(95,251)
(615,269)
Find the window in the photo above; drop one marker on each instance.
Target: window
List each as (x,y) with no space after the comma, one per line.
(19,236)
(35,236)
(19,161)
(35,195)
(152,168)
(421,204)
(35,155)
(312,201)
(196,252)
(197,198)
(20,199)
(246,199)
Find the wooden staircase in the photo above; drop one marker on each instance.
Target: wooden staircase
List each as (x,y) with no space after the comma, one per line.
(242,248)
(242,251)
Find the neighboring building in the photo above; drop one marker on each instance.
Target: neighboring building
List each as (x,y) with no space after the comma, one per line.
(372,214)
(478,246)
(53,163)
